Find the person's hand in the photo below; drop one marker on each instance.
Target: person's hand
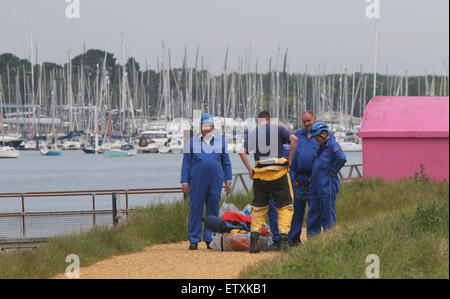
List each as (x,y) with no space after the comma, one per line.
(185,188)
(228,188)
(250,174)
(332,174)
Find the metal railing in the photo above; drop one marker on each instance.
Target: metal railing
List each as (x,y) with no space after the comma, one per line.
(354,168)
(94,194)
(350,177)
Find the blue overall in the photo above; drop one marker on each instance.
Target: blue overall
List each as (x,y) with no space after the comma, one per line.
(204,168)
(302,165)
(324,187)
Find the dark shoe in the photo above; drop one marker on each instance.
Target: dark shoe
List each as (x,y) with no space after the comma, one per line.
(275,246)
(193,246)
(254,238)
(284,240)
(207,245)
(295,242)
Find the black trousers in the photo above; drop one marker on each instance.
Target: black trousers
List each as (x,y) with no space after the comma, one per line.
(279,190)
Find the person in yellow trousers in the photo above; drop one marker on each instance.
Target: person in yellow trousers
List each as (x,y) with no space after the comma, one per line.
(270,176)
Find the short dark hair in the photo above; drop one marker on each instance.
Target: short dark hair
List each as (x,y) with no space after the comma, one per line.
(264,114)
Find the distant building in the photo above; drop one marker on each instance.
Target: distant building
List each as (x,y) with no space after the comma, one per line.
(405,136)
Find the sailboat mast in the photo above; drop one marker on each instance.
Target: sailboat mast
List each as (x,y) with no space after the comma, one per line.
(376,59)
(32,75)
(124,82)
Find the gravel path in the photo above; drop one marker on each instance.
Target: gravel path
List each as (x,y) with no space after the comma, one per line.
(175,261)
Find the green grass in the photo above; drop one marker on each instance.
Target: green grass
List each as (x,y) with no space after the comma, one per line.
(405,223)
(156,224)
(360,200)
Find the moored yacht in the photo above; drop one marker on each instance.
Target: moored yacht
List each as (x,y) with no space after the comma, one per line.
(53,150)
(8,152)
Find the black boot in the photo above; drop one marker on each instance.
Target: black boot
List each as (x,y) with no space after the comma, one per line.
(193,246)
(284,240)
(295,241)
(254,238)
(275,246)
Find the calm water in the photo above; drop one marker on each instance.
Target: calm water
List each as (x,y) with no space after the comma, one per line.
(75,170)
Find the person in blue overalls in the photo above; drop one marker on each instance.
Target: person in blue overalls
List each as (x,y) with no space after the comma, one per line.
(206,165)
(324,180)
(300,172)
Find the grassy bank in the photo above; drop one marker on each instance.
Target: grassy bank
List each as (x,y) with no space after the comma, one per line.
(402,222)
(155,224)
(161,223)
(406,224)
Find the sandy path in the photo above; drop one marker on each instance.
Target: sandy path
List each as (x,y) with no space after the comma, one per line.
(174,261)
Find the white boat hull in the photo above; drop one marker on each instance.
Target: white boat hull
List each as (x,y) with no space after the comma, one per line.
(9,152)
(176,150)
(164,149)
(351,147)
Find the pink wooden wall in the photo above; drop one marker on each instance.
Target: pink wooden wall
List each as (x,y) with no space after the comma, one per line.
(401,133)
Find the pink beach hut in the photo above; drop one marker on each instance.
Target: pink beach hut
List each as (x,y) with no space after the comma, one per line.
(402,136)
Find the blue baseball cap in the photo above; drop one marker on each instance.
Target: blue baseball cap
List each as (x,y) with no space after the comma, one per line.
(319,127)
(207,118)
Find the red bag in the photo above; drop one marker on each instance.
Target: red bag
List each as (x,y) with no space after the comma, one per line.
(238,217)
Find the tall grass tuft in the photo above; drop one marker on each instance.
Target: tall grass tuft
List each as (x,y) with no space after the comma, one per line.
(405,223)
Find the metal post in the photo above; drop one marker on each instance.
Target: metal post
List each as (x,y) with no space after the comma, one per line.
(351,172)
(23,215)
(114,209)
(93,209)
(243,183)
(359,173)
(126,205)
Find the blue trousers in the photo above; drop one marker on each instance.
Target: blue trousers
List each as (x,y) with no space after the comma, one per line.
(322,209)
(273,220)
(202,194)
(298,217)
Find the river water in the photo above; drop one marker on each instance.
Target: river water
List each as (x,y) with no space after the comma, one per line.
(75,170)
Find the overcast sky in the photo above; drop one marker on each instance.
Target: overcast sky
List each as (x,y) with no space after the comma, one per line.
(330,34)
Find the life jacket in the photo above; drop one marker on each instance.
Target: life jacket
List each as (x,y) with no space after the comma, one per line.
(271,169)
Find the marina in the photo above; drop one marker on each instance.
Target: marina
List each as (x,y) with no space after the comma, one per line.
(99,102)
(74,170)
